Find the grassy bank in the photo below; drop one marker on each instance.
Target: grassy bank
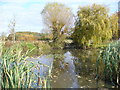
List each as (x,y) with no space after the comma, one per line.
(37,47)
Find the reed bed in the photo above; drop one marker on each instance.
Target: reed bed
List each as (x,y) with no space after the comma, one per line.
(110,58)
(16,71)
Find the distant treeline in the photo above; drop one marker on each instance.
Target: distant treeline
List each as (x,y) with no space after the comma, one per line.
(29,36)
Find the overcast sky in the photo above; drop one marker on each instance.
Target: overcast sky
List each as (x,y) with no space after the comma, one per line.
(27,12)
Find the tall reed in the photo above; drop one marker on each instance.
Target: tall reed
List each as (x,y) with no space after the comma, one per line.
(16,71)
(110,58)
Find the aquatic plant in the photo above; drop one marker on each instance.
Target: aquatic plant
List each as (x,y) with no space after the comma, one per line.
(110,58)
(16,71)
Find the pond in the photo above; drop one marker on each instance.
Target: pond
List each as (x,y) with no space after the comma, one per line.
(72,69)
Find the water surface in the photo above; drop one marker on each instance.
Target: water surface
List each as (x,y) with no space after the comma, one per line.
(72,69)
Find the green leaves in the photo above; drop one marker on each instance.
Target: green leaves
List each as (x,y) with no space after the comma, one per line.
(13,69)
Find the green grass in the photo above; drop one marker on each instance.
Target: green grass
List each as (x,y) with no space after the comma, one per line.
(38,48)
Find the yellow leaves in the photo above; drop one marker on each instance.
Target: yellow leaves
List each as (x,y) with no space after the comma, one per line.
(26,37)
(114,25)
(92,25)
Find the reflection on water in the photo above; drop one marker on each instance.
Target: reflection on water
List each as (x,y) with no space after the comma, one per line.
(64,75)
(71,69)
(43,71)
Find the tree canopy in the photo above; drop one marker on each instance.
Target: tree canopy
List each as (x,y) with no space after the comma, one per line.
(92,25)
(58,18)
(114,25)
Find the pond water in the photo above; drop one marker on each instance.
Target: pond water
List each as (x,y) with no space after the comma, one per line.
(71,69)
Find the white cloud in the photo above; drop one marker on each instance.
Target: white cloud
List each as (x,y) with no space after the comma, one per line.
(26,18)
(29,18)
(17,1)
(61,1)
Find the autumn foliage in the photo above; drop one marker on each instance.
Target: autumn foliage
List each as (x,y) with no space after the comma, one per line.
(30,36)
(94,26)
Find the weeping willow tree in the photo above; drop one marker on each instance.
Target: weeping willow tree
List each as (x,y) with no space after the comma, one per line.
(114,25)
(58,18)
(92,25)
